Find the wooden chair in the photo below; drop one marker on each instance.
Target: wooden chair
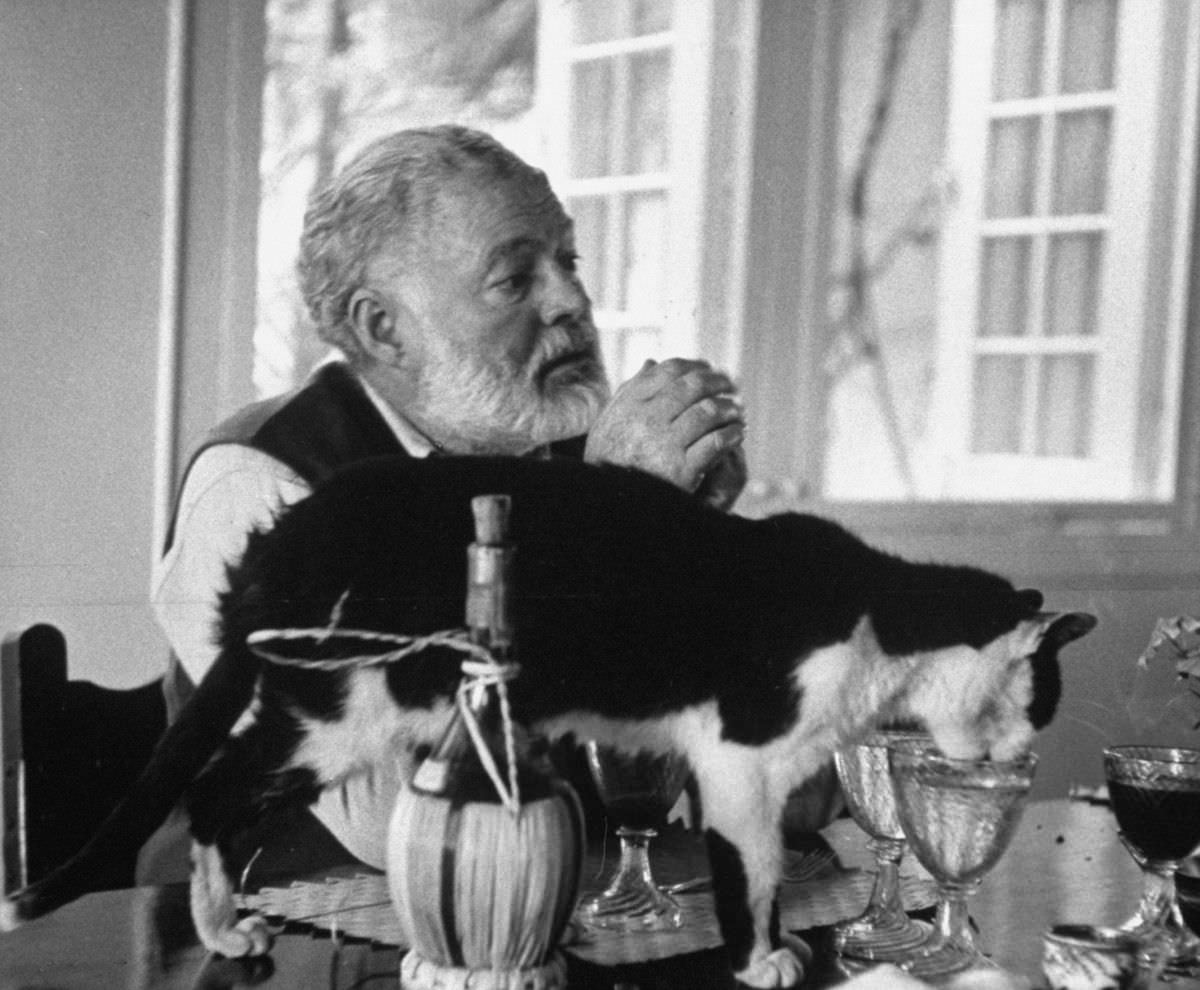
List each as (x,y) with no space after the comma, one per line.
(69,750)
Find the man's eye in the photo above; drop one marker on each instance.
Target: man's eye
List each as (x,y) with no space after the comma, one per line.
(569,260)
(517,283)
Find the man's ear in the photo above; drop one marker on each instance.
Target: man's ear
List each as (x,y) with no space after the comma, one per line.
(374,319)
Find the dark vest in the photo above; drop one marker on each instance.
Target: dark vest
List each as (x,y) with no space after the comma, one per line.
(325,425)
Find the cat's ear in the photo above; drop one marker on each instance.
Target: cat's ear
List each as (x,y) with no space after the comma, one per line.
(1057,630)
(1064,627)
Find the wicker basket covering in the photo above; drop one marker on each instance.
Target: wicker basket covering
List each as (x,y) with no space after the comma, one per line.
(485,845)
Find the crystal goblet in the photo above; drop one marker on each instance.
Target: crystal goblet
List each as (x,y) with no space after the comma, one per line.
(637,790)
(883,932)
(959,816)
(1155,794)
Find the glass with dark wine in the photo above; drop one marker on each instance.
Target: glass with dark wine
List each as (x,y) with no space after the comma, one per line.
(958,816)
(1155,795)
(883,932)
(637,790)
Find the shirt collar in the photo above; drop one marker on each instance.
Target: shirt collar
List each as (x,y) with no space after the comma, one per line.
(411,439)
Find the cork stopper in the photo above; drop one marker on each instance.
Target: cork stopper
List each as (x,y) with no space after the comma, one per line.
(491,518)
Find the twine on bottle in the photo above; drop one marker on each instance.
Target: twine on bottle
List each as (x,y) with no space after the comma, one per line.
(480,670)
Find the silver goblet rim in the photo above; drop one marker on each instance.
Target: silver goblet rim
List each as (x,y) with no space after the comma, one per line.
(933,757)
(1136,752)
(889,737)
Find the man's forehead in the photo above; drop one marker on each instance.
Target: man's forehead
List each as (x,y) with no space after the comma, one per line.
(499,215)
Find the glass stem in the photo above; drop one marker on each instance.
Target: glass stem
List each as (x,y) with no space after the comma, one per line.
(885,896)
(953,923)
(634,867)
(1158,893)
(1159,909)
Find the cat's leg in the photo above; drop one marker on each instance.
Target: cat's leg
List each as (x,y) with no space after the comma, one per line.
(244,790)
(742,829)
(214,911)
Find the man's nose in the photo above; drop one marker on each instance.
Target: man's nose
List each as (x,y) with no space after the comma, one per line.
(564,299)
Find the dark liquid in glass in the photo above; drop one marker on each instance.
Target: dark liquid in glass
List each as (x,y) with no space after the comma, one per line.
(639,811)
(1163,823)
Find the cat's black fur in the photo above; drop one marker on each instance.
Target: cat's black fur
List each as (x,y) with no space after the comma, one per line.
(641,616)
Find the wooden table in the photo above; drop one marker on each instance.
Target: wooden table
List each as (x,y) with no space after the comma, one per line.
(1065,864)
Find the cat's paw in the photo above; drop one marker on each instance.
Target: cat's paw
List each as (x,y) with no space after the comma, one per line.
(250,936)
(785,967)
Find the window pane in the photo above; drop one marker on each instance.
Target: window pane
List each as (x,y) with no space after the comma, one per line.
(1064,422)
(1012,164)
(1016,344)
(999,391)
(607,20)
(1081,162)
(1089,40)
(648,141)
(591,118)
(1017,61)
(651,16)
(590,214)
(1073,284)
(626,349)
(1004,287)
(645,248)
(596,21)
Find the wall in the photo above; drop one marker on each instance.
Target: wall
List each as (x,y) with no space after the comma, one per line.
(84,475)
(80,195)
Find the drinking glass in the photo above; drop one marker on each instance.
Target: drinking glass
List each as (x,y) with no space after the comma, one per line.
(1155,794)
(637,790)
(883,932)
(959,816)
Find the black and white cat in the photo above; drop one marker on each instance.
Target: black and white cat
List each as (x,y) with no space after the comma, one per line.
(643,618)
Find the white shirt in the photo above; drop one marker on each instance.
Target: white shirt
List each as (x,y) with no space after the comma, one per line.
(230,490)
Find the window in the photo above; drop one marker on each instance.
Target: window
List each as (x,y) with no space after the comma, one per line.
(1074,148)
(614,76)
(1045,254)
(625,95)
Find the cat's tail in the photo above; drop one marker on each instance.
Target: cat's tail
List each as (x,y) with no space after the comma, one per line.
(182,752)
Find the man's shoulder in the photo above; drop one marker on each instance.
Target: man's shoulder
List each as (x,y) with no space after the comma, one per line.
(314,430)
(305,402)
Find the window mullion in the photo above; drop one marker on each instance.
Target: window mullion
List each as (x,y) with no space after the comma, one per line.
(1177,322)
(1035,364)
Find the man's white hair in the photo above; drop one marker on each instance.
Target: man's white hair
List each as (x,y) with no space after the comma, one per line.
(379,200)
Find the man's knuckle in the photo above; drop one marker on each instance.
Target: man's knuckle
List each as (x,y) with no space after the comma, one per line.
(674,366)
(695,383)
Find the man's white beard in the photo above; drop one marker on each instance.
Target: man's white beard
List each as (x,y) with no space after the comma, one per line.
(477,408)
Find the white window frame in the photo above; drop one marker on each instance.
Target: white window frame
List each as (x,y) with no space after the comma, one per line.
(1128,227)
(690,43)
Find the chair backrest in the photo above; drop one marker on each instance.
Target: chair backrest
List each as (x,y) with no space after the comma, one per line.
(69,750)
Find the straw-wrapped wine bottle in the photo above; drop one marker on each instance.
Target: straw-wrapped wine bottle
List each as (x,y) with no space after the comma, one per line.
(485,846)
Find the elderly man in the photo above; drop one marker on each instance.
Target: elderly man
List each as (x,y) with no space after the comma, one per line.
(443,268)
